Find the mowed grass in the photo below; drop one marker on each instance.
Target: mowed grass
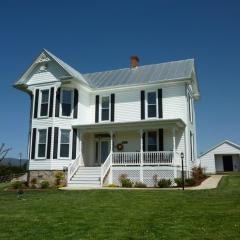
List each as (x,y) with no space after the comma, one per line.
(123,214)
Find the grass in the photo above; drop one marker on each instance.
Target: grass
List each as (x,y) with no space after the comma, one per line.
(113,214)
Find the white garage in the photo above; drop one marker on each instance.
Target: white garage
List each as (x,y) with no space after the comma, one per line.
(225,157)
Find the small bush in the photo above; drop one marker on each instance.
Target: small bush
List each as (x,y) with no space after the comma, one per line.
(127,183)
(190,182)
(178,181)
(140,185)
(33,181)
(198,173)
(44,184)
(164,183)
(17,185)
(59,179)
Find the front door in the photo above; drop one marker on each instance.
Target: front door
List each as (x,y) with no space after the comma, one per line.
(104,150)
(227,163)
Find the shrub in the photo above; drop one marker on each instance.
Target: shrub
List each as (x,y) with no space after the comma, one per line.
(125,182)
(178,181)
(33,181)
(59,178)
(198,173)
(44,184)
(17,185)
(164,183)
(190,182)
(140,185)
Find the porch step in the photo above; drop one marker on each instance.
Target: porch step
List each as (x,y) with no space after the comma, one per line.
(86,177)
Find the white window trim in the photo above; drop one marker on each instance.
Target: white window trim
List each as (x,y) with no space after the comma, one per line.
(190,106)
(109,112)
(146,139)
(146,105)
(40,102)
(70,144)
(36,153)
(72,102)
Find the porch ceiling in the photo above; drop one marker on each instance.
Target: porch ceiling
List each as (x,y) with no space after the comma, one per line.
(122,126)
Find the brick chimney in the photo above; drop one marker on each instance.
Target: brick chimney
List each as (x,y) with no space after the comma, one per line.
(134,61)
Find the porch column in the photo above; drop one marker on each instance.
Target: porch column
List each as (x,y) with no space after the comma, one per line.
(141,155)
(174,152)
(111,152)
(80,146)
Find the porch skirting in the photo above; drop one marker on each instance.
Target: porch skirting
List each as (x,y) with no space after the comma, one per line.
(150,174)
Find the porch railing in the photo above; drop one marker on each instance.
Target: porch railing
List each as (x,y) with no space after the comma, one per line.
(73,166)
(146,158)
(126,158)
(105,167)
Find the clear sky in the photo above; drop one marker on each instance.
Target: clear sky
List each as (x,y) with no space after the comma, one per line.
(101,35)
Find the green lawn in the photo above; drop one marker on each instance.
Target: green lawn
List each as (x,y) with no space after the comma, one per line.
(109,214)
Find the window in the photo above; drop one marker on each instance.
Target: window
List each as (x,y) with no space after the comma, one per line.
(191,146)
(65,143)
(152,104)
(66,102)
(152,141)
(42,142)
(105,108)
(190,107)
(44,103)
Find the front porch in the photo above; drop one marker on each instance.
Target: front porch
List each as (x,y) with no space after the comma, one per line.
(140,152)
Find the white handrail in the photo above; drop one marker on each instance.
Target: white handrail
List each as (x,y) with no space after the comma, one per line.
(73,166)
(148,158)
(105,167)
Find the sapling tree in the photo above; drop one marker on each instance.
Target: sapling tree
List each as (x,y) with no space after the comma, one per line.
(3,151)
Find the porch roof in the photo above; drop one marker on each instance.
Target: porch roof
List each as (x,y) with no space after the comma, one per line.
(143,124)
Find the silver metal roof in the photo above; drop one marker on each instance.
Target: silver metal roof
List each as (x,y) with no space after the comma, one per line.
(141,75)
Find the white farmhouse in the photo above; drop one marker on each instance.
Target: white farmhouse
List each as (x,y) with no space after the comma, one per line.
(97,126)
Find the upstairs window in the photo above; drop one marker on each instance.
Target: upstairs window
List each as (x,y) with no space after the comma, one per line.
(42,142)
(44,103)
(152,141)
(190,108)
(152,104)
(105,108)
(65,143)
(66,103)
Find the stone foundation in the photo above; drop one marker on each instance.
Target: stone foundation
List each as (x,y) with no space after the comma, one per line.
(48,175)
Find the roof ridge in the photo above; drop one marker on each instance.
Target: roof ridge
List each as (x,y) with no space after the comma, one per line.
(142,66)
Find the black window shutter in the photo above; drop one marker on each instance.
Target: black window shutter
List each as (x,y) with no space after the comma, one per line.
(31,106)
(55,145)
(33,145)
(112,106)
(160,114)
(57,102)
(142,105)
(51,102)
(49,143)
(74,143)
(144,142)
(97,109)
(160,139)
(36,103)
(75,105)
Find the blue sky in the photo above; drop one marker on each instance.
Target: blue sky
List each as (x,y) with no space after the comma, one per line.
(100,35)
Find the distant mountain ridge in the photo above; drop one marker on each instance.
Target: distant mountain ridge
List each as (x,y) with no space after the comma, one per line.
(13,161)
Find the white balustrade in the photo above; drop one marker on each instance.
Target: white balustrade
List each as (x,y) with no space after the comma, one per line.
(73,166)
(149,158)
(105,167)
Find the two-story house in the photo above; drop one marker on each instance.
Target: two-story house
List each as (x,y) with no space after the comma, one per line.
(98,126)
